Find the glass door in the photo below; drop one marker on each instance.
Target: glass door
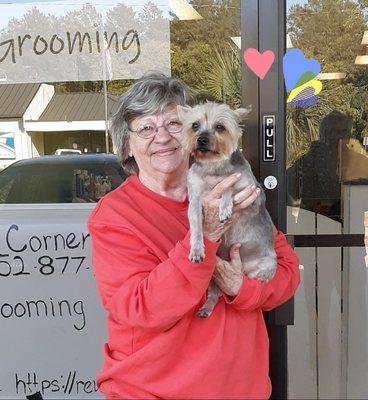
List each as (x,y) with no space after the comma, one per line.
(327,196)
(263,29)
(319,196)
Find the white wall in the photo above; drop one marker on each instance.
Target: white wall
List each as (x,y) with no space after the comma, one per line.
(20,142)
(39,102)
(22,139)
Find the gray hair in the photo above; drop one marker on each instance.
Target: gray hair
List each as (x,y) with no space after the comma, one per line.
(150,94)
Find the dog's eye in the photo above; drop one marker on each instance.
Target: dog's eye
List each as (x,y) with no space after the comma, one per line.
(195,126)
(220,128)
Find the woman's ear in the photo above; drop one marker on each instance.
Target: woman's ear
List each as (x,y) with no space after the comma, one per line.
(128,145)
(130,152)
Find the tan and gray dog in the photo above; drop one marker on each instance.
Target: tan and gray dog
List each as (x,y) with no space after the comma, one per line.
(211,132)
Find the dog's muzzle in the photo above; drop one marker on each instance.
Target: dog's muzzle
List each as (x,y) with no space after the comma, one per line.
(202,143)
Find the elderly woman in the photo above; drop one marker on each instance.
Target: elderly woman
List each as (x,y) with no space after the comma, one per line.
(157,347)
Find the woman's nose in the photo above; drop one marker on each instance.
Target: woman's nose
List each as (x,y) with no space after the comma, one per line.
(162,135)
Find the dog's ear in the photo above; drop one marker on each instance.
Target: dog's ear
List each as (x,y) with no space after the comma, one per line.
(182,111)
(241,113)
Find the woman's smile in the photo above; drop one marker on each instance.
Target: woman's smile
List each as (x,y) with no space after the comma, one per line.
(165,152)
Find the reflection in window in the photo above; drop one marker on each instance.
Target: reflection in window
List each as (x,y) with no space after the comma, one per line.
(325,149)
(59,183)
(205,56)
(63,103)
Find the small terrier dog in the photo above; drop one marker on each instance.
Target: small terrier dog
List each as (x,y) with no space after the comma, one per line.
(211,132)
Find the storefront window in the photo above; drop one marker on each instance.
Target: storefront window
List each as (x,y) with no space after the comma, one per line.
(64,65)
(327,179)
(325,146)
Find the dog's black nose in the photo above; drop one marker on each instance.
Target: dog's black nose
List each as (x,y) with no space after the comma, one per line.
(202,141)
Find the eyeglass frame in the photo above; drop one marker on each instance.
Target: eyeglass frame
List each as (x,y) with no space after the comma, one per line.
(156,128)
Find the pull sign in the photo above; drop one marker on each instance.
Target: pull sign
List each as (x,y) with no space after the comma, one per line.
(269,125)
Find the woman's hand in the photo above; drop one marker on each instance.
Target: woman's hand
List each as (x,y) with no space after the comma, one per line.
(213,228)
(228,275)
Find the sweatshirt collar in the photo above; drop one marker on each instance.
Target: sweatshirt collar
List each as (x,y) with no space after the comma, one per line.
(134,180)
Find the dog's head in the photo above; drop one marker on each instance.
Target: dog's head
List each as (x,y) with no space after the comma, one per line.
(210,130)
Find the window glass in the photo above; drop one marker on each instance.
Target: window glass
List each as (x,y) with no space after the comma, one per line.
(327,171)
(55,183)
(72,61)
(327,141)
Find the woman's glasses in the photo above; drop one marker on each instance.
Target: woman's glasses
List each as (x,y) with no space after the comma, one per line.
(148,130)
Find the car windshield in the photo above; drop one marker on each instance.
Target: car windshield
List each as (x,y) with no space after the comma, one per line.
(58,183)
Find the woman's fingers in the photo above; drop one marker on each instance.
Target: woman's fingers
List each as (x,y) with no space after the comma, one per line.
(235,254)
(222,186)
(228,275)
(213,228)
(245,193)
(246,198)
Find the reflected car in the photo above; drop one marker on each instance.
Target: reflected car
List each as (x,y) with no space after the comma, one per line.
(75,178)
(61,152)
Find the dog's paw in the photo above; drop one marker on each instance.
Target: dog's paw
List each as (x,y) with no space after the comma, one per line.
(266,275)
(225,213)
(203,313)
(196,254)
(195,258)
(263,274)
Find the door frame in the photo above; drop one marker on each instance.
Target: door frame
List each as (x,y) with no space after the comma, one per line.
(263,26)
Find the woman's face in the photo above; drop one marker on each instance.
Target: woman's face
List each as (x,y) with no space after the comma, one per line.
(162,153)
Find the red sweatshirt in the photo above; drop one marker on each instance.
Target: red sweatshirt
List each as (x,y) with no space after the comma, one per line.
(156,346)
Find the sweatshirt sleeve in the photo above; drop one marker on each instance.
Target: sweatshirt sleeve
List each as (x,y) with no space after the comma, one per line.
(137,288)
(267,295)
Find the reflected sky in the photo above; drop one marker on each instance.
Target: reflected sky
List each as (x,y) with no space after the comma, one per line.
(289,2)
(294,2)
(17,8)
(24,1)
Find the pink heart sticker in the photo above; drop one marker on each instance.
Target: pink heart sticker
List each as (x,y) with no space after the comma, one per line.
(257,62)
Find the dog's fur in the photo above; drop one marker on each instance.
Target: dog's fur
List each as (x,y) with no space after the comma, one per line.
(211,133)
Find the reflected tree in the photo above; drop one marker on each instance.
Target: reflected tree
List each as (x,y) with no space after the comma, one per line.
(331,32)
(203,55)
